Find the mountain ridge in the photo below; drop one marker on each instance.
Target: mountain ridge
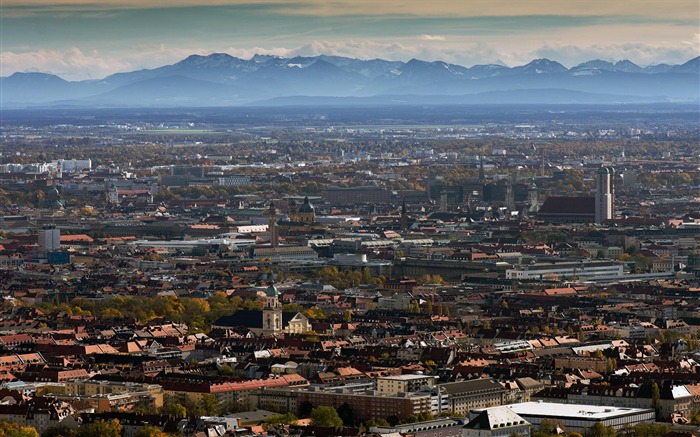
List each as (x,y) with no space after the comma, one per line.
(220,79)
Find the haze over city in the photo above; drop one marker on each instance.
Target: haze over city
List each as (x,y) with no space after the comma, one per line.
(349,218)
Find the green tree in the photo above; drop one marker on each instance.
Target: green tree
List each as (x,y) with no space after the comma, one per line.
(210,405)
(649,430)
(292,308)
(600,430)
(60,431)
(326,416)
(101,428)
(174,409)
(546,429)
(13,429)
(656,400)
(281,419)
(150,431)
(226,370)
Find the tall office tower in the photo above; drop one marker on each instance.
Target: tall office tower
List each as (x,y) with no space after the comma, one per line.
(605,194)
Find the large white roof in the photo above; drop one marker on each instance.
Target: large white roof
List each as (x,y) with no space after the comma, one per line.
(574,411)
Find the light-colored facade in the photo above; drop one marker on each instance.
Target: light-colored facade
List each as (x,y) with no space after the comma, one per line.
(441,427)
(391,385)
(578,417)
(49,238)
(465,396)
(605,194)
(497,422)
(580,271)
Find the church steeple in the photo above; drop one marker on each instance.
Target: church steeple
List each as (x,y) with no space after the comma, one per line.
(404,216)
(272,225)
(272,311)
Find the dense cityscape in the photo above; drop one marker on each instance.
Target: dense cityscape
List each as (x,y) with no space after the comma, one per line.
(431,271)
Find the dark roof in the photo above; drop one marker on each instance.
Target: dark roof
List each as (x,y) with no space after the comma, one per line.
(306,206)
(473,385)
(568,206)
(249,319)
(481,421)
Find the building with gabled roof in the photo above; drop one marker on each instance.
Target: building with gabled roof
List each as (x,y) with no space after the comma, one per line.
(497,422)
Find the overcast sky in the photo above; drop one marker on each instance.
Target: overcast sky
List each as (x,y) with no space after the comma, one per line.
(89,39)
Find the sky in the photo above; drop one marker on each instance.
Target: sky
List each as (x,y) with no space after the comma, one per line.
(90,39)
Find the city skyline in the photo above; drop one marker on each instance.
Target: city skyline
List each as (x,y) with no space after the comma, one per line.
(86,40)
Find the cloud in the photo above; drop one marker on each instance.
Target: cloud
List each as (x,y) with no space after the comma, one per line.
(75,64)
(639,53)
(673,9)
(69,64)
(425,37)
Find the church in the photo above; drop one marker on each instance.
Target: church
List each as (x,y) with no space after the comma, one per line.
(302,220)
(271,320)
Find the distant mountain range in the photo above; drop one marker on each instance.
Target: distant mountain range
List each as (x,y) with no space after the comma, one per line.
(223,80)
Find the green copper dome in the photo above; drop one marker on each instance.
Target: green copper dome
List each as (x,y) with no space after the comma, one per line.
(272,291)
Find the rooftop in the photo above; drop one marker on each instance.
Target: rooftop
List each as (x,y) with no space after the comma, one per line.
(574,411)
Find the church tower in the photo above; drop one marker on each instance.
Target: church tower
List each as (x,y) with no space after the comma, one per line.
(307,212)
(605,195)
(113,194)
(404,216)
(272,311)
(272,225)
(533,198)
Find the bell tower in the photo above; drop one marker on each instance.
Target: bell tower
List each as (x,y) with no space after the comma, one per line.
(272,311)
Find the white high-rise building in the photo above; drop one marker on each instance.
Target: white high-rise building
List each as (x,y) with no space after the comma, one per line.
(605,194)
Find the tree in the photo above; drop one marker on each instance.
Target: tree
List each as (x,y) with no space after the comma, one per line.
(366,277)
(346,414)
(414,307)
(174,409)
(649,430)
(600,430)
(315,313)
(150,431)
(101,428)
(210,405)
(292,308)
(656,400)
(60,431)
(226,370)
(326,416)
(305,409)
(281,419)
(545,429)
(12,429)
(610,365)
